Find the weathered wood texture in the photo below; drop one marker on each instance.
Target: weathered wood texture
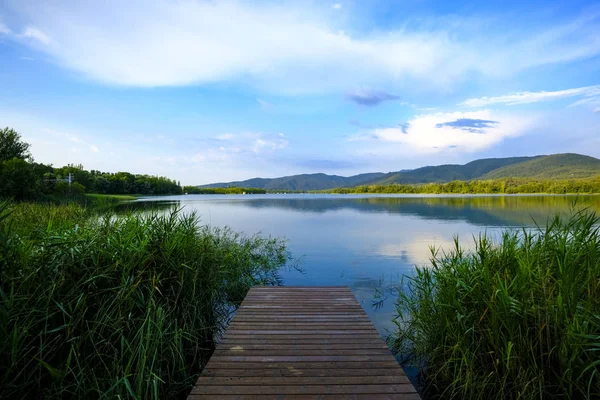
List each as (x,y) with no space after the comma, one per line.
(302,343)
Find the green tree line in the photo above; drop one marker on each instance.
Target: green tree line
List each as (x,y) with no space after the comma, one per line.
(22,178)
(494,186)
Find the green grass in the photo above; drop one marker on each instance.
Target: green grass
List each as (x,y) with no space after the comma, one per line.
(118,197)
(519,319)
(117,305)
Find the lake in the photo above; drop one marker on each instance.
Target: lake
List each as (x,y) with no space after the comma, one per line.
(368,242)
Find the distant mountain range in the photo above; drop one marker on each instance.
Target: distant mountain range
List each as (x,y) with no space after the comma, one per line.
(303,182)
(555,166)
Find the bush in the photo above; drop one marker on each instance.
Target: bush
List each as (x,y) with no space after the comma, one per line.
(124,306)
(520,319)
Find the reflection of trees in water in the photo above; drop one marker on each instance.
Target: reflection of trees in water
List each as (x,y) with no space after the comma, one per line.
(479,210)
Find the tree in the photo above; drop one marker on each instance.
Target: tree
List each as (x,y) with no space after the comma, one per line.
(12,146)
(18,179)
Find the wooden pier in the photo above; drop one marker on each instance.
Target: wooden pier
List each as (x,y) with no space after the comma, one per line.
(302,343)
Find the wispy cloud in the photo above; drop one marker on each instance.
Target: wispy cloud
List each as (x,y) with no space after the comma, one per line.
(225,136)
(76,139)
(4,29)
(532,97)
(29,32)
(262,144)
(294,48)
(597,110)
(368,97)
(265,105)
(34,33)
(247,142)
(336,6)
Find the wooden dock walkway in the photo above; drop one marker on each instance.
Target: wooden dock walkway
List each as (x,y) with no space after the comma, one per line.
(302,343)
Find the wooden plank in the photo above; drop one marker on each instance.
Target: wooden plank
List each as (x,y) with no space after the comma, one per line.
(288,359)
(302,347)
(294,338)
(297,380)
(365,342)
(312,372)
(299,309)
(356,339)
(291,325)
(370,396)
(303,389)
(302,343)
(216,364)
(239,350)
(300,317)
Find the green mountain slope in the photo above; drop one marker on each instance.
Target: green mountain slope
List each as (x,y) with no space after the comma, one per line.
(555,166)
(450,172)
(302,182)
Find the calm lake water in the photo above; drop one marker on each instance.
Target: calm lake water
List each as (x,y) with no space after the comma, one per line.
(369,242)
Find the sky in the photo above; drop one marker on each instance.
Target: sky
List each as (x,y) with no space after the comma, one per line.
(204,91)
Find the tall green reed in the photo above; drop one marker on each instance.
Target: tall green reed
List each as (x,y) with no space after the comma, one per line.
(117,306)
(519,319)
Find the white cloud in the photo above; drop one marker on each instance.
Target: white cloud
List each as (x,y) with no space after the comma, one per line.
(35,33)
(257,143)
(463,132)
(75,139)
(336,6)
(261,145)
(265,105)
(4,29)
(597,110)
(234,150)
(225,136)
(533,97)
(285,49)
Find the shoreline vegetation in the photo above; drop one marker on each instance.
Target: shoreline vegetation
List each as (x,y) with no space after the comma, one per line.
(494,186)
(515,319)
(24,179)
(491,186)
(102,305)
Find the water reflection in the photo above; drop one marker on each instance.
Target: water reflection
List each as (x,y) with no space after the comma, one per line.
(479,210)
(368,242)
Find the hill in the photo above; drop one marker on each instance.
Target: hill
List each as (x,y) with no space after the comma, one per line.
(302,182)
(555,166)
(450,172)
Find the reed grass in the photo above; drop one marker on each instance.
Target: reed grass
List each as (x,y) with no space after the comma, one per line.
(517,319)
(117,306)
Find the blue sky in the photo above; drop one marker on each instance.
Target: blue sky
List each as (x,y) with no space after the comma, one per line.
(205,91)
